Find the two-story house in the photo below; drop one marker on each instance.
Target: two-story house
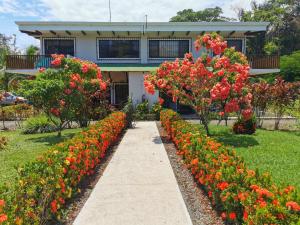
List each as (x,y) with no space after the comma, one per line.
(126,51)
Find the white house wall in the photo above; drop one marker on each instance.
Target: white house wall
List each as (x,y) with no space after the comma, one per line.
(86,47)
(137,90)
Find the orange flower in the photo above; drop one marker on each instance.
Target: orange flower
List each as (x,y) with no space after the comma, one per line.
(223,185)
(3,218)
(293,206)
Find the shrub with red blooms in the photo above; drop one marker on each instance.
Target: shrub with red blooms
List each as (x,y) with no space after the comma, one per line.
(242,196)
(244,126)
(44,186)
(72,90)
(206,82)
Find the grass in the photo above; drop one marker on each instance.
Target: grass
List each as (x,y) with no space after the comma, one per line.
(276,152)
(23,148)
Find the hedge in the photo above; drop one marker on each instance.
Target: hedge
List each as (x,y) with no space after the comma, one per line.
(241,195)
(44,186)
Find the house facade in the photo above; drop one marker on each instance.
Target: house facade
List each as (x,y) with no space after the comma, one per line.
(126,51)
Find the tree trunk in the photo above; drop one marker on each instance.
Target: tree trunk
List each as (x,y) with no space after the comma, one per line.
(205,124)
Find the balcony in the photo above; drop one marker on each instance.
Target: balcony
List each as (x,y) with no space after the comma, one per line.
(27,62)
(259,64)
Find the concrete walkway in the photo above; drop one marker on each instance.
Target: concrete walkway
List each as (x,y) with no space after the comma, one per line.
(138,186)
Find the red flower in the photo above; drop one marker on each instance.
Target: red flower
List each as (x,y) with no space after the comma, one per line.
(41,70)
(245,215)
(67,91)
(161,101)
(232,216)
(54,206)
(3,218)
(293,206)
(223,216)
(84,68)
(2,203)
(72,84)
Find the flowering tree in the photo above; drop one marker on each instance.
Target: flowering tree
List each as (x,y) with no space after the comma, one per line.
(71,90)
(206,82)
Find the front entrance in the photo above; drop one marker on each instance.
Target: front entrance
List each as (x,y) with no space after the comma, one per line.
(119,90)
(119,94)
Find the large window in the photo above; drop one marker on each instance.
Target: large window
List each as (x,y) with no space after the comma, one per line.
(168,48)
(119,49)
(59,46)
(237,43)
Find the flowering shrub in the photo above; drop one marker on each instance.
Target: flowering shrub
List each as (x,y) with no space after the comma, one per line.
(241,195)
(244,126)
(72,90)
(206,82)
(44,186)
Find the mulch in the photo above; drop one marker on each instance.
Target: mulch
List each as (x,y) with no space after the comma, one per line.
(196,200)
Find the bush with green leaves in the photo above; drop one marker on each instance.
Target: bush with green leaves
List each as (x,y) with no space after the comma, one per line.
(39,124)
(72,90)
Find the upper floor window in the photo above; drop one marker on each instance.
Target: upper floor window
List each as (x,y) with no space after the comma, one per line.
(59,46)
(119,49)
(237,43)
(168,48)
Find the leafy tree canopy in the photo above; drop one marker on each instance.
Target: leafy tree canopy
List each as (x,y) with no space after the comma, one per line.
(290,66)
(208,15)
(284,18)
(32,50)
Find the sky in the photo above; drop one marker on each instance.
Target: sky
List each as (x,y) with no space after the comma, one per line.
(97,10)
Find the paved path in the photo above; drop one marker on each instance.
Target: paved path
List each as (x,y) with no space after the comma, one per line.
(138,186)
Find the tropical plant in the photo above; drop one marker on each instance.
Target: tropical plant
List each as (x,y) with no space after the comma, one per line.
(72,90)
(218,81)
(260,98)
(39,124)
(32,50)
(282,97)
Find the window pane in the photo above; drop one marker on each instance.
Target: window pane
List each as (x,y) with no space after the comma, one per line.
(168,48)
(119,48)
(238,44)
(59,46)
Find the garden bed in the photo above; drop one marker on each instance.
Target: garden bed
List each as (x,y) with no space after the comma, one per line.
(198,204)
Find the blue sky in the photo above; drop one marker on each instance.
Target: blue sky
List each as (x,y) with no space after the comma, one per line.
(97,10)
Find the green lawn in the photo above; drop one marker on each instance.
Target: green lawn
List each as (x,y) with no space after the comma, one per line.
(276,152)
(23,148)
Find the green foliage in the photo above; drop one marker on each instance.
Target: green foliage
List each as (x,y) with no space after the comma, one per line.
(129,111)
(156,109)
(46,184)
(241,195)
(284,28)
(32,50)
(290,66)
(73,91)
(39,124)
(271,48)
(208,15)
(274,152)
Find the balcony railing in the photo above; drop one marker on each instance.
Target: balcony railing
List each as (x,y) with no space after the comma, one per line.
(264,61)
(15,62)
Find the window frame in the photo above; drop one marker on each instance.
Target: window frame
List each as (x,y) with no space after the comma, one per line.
(59,38)
(111,39)
(241,39)
(166,39)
